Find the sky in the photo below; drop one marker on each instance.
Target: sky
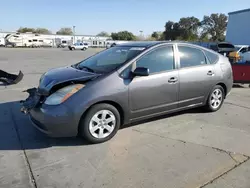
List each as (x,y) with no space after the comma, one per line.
(93,16)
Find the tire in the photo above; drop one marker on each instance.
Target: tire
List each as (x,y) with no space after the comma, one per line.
(87,122)
(72,48)
(214,104)
(84,49)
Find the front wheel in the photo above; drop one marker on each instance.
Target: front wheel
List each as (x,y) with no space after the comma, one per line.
(100,124)
(215,99)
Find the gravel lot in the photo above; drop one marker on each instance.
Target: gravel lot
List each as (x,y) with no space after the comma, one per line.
(190,149)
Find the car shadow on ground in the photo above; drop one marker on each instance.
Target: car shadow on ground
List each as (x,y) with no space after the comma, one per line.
(17,132)
(241,85)
(190,111)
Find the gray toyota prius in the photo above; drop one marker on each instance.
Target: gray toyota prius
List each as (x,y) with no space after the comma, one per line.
(126,83)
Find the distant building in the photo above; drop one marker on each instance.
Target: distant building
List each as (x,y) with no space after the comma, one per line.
(238,28)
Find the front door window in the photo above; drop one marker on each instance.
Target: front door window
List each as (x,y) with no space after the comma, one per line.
(158,60)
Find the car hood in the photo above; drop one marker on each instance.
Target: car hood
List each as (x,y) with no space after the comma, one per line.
(63,75)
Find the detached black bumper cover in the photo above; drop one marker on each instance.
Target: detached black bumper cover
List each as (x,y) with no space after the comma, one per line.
(32,101)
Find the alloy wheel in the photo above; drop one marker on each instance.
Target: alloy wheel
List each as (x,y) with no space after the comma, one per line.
(216,98)
(102,124)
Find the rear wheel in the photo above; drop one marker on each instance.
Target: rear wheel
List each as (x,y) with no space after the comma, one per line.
(215,99)
(84,49)
(100,124)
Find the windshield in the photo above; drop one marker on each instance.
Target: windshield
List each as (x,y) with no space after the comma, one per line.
(109,59)
(242,49)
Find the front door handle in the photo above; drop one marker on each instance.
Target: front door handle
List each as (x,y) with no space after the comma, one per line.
(172,80)
(210,73)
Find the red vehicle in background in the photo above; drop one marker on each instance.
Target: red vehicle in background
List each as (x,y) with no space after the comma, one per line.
(241,72)
(239,58)
(241,64)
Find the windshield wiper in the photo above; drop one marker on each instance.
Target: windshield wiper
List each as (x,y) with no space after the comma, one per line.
(84,67)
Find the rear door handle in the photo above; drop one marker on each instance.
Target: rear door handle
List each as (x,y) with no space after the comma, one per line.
(210,73)
(172,80)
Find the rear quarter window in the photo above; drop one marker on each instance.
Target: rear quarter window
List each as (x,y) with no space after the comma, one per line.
(212,57)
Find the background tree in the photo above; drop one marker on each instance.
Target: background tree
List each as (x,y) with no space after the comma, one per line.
(25,30)
(150,38)
(103,34)
(172,30)
(42,31)
(215,25)
(123,35)
(185,29)
(65,31)
(157,35)
(205,37)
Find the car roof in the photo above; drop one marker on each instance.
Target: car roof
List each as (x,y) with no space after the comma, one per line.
(145,44)
(148,44)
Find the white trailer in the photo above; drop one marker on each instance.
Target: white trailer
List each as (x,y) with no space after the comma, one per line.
(28,40)
(2,42)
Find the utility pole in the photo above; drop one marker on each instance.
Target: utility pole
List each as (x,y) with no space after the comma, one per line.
(141,34)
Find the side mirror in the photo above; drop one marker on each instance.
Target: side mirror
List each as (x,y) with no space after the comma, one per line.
(141,71)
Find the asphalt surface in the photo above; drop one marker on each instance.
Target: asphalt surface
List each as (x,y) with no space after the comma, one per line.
(189,149)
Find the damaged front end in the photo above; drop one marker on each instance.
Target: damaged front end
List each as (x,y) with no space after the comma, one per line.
(57,95)
(33,100)
(65,80)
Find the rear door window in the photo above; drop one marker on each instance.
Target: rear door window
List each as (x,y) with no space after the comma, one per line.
(212,57)
(190,57)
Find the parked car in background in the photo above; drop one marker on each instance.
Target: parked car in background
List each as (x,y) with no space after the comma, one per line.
(246,57)
(241,54)
(244,52)
(223,48)
(242,48)
(127,83)
(79,46)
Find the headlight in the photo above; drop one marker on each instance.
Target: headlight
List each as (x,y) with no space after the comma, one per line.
(63,94)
